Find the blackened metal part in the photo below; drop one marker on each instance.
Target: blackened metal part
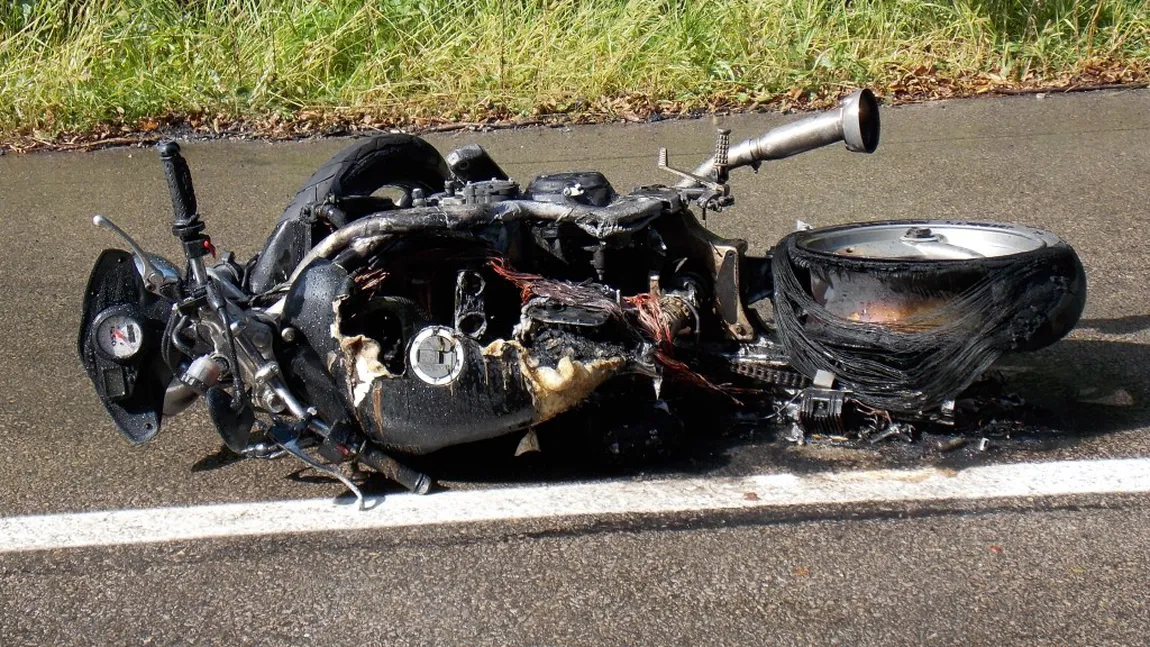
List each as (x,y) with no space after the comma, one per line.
(755,279)
(770,375)
(132,394)
(309,307)
(488,192)
(621,218)
(973,311)
(489,398)
(685,236)
(313,382)
(672,199)
(235,426)
(470,305)
(392,469)
(581,187)
(341,210)
(471,163)
(340,443)
(289,439)
(727,289)
(317,368)
(574,317)
(764,361)
(624,425)
(821,411)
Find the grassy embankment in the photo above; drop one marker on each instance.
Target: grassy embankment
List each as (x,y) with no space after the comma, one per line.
(76,70)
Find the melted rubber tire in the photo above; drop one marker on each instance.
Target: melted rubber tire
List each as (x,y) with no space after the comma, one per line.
(360,169)
(1057,258)
(908,334)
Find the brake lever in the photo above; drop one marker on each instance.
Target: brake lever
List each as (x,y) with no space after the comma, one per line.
(157,276)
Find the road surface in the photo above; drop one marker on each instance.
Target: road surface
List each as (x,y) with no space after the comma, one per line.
(1066,564)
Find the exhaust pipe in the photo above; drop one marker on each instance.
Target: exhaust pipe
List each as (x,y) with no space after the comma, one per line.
(854,122)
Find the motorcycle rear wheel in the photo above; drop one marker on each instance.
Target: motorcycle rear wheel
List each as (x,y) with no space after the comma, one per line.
(393,160)
(903,260)
(907,314)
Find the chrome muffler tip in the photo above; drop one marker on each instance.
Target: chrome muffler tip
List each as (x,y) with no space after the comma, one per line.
(860,121)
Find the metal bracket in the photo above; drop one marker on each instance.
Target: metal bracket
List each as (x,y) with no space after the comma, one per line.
(715,194)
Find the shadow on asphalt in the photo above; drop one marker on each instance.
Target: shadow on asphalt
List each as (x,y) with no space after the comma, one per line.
(1052,399)
(221,458)
(1031,403)
(1118,325)
(1086,388)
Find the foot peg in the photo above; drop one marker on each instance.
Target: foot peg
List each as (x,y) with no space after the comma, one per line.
(415,481)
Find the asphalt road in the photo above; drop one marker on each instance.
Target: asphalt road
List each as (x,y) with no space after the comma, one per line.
(1036,572)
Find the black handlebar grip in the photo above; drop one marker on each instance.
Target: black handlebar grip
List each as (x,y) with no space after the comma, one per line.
(179,182)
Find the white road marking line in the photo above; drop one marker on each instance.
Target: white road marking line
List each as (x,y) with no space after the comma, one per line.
(121,527)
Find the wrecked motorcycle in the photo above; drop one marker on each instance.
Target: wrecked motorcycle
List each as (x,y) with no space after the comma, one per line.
(409,301)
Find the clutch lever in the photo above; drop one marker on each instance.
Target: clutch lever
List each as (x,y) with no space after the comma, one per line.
(158,274)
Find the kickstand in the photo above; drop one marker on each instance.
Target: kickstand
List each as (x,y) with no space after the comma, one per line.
(282,436)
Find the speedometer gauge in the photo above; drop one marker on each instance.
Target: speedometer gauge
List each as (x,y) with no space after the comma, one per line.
(119,334)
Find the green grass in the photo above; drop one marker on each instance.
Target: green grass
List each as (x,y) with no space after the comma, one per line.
(74,65)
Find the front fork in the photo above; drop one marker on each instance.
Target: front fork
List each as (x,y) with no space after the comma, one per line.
(243,347)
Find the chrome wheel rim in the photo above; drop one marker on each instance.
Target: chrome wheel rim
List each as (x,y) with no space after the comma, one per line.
(926,241)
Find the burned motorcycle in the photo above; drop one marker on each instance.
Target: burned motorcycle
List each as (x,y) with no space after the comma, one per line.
(409,301)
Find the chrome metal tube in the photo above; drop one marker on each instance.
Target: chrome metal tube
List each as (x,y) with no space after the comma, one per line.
(449,217)
(855,122)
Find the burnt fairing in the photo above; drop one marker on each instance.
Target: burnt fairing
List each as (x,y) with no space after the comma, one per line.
(504,386)
(311,367)
(488,399)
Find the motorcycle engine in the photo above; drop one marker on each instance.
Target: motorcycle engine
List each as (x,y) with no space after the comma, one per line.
(444,336)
